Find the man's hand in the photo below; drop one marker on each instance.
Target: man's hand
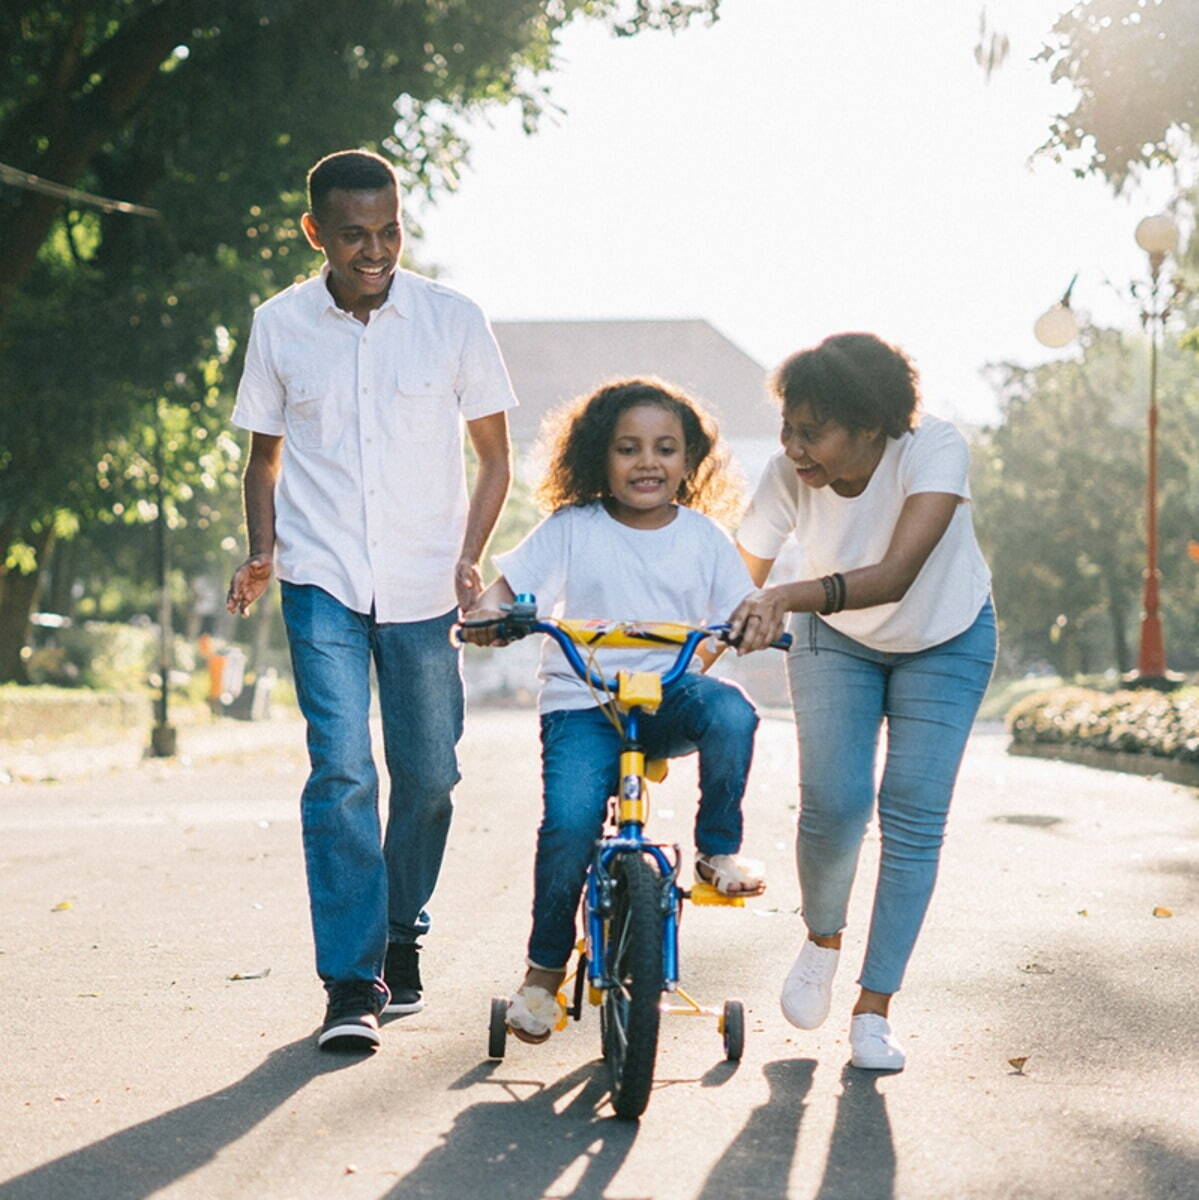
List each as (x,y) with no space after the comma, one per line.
(249,582)
(468,583)
(759,619)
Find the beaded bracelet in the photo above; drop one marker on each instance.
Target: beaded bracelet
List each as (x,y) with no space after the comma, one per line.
(834,592)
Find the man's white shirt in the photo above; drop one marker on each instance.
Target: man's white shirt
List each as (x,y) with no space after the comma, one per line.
(371,502)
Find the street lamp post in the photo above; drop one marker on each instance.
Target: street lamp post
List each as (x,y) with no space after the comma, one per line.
(1056,327)
(1157,236)
(163,739)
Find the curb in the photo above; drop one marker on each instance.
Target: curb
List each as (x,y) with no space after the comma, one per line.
(1149,765)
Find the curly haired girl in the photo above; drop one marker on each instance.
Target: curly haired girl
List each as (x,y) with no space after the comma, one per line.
(636,466)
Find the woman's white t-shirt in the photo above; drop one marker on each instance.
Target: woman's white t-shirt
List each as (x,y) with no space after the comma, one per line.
(841,533)
(581,562)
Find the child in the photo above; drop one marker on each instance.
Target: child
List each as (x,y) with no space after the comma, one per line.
(634,468)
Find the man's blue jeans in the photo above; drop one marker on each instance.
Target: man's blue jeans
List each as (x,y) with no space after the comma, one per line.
(366,890)
(842,691)
(580,757)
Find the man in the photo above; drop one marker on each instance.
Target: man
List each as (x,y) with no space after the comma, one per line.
(355,389)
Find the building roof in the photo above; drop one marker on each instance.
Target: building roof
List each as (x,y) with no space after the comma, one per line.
(554,361)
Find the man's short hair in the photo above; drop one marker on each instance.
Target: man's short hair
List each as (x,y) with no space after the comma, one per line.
(354,170)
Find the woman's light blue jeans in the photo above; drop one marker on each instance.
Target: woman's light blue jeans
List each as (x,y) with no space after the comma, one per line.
(580,758)
(365,889)
(842,692)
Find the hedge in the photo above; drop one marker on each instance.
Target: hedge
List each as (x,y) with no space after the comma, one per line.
(1161,724)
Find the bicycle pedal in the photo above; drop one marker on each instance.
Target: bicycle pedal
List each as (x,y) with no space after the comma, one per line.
(563,1013)
(705,893)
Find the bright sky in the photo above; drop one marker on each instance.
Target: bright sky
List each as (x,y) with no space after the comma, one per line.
(795,170)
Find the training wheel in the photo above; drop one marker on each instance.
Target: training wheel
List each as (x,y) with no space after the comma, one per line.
(732,1024)
(497,1029)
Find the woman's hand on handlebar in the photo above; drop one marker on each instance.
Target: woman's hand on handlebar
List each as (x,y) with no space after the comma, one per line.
(758,620)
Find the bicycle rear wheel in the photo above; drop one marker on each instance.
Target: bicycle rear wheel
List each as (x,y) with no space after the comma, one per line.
(633,957)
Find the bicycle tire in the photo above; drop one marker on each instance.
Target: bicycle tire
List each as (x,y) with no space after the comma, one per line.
(497,1027)
(733,1020)
(629,1015)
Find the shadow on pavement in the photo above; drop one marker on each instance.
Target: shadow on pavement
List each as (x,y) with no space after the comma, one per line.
(861,1152)
(139,1161)
(521,1145)
(758,1160)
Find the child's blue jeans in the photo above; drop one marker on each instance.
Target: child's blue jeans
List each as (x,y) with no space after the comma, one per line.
(842,691)
(580,756)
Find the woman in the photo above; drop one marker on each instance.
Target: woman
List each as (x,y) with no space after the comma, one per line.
(894,623)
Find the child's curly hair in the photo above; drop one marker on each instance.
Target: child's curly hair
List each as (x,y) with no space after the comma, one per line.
(580,432)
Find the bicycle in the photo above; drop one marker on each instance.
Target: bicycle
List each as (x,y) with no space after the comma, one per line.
(632,900)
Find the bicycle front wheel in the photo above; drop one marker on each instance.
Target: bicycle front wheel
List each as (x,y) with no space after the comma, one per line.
(633,957)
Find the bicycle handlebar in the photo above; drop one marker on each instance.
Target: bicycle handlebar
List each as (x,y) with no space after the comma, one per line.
(520,619)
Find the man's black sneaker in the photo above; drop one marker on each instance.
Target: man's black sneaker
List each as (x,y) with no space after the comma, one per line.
(352,1017)
(401,973)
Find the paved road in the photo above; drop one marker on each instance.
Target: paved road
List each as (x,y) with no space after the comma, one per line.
(135,1066)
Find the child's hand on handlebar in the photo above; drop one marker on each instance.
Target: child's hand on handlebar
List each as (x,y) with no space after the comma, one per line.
(484,635)
(758,620)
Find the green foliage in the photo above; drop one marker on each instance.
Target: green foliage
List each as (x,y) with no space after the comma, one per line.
(98,655)
(1136,722)
(1059,488)
(1134,65)
(119,335)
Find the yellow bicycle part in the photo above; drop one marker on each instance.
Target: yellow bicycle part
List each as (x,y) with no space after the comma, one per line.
(633,800)
(690,1008)
(640,688)
(705,893)
(627,635)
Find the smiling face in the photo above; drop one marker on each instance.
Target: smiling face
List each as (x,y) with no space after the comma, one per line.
(827,454)
(647,459)
(360,235)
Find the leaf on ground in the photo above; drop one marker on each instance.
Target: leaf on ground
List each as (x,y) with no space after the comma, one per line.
(251,974)
(62,906)
(1163,912)
(1036,969)
(1017,1064)
(1082,912)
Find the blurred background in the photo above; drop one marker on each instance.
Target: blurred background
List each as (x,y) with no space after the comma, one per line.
(689,189)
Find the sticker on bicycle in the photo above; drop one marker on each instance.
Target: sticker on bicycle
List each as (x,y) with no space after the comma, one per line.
(630,787)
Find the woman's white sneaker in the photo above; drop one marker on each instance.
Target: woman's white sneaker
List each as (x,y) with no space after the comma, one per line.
(808,988)
(872,1044)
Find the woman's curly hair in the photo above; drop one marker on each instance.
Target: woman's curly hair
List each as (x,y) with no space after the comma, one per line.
(855,379)
(579,434)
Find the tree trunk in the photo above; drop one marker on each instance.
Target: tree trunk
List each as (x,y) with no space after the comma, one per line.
(57,597)
(1119,618)
(18,596)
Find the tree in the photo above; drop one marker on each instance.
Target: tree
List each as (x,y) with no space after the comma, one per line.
(210,112)
(1059,495)
(1134,66)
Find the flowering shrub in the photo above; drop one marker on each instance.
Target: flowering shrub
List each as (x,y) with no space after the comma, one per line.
(1135,722)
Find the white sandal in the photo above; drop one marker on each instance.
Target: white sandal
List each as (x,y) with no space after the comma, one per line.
(533,1013)
(730,874)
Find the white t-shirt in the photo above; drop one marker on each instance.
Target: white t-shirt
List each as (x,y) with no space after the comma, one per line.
(581,562)
(371,501)
(841,533)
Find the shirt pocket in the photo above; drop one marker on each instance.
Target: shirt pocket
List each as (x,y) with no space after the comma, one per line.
(308,414)
(424,409)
